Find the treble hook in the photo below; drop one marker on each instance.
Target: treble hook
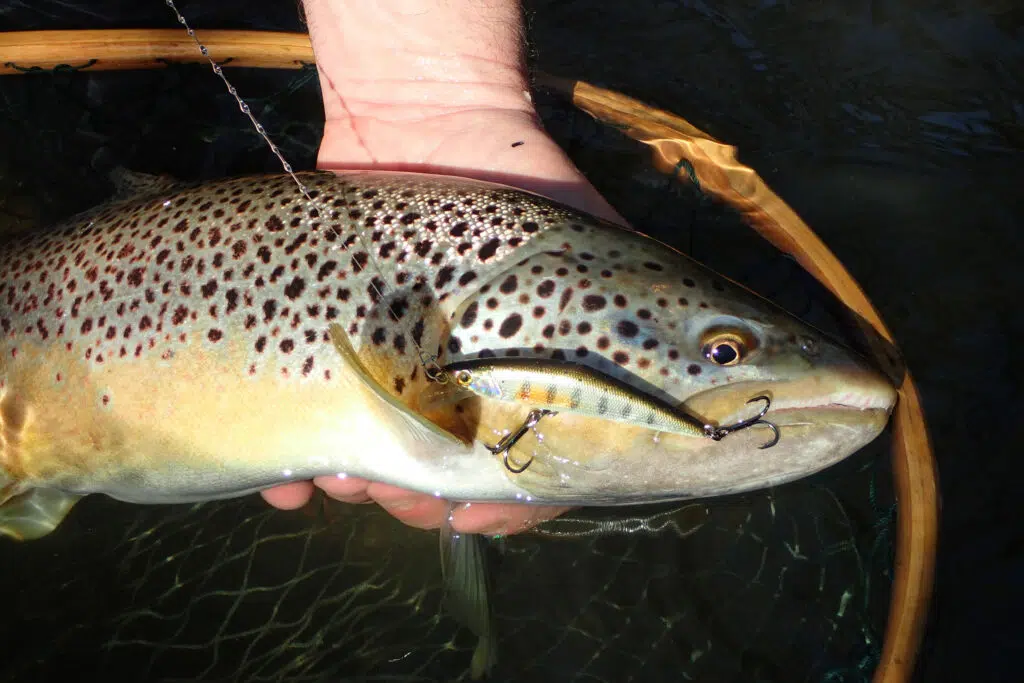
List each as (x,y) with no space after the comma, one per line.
(719,433)
(510,440)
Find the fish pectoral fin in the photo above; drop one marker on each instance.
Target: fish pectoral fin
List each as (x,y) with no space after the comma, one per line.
(437,395)
(35,513)
(416,425)
(467,592)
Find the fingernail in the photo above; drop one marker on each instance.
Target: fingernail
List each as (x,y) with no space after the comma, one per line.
(401,504)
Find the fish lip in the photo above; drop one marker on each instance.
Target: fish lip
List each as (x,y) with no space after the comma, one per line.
(852,393)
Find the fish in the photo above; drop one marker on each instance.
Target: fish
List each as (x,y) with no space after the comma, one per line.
(196,343)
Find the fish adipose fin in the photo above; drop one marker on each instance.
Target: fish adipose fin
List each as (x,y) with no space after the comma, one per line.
(467,592)
(35,513)
(416,425)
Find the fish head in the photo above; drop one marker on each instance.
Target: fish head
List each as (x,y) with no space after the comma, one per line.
(645,314)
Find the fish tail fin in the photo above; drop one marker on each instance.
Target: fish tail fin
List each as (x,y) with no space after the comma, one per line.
(467,592)
(34,513)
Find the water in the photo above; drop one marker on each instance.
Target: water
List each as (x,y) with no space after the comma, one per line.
(895,131)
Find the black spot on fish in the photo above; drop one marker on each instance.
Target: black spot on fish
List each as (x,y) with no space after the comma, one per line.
(325,270)
(469,316)
(489,249)
(509,285)
(693,369)
(510,325)
(627,328)
(269,309)
(594,302)
(399,307)
(567,296)
(444,276)
(359,260)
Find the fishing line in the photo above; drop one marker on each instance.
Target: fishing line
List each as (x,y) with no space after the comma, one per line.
(428,360)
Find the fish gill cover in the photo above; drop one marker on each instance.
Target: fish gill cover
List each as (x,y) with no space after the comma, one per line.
(788,584)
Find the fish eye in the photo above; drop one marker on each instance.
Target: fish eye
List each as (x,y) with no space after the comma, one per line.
(725,348)
(463,378)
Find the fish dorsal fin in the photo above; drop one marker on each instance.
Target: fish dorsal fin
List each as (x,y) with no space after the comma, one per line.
(416,425)
(129,185)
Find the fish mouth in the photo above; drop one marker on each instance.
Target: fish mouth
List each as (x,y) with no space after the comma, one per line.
(851,393)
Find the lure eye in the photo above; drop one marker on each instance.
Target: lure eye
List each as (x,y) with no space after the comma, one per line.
(463,378)
(809,346)
(725,349)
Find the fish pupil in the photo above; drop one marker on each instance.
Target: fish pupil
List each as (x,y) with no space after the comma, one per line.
(724,353)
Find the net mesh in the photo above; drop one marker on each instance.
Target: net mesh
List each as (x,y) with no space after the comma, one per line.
(790,584)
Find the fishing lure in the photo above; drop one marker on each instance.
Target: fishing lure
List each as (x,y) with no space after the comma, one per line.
(553,386)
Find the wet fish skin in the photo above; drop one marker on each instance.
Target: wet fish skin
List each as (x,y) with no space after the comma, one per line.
(176,348)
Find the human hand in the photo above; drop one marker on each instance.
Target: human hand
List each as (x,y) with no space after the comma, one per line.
(436,86)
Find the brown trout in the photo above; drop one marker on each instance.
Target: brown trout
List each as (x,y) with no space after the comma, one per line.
(177,348)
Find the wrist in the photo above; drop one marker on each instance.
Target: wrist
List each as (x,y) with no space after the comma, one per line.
(415,58)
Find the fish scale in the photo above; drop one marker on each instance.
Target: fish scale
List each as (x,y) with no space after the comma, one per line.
(254,259)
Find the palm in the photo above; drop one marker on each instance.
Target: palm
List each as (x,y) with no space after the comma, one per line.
(498,144)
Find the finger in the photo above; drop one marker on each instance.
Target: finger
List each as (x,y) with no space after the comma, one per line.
(501,518)
(290,496)
(419,510)
(345,489)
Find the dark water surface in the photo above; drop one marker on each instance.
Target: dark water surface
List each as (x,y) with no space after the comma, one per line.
(894,129)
